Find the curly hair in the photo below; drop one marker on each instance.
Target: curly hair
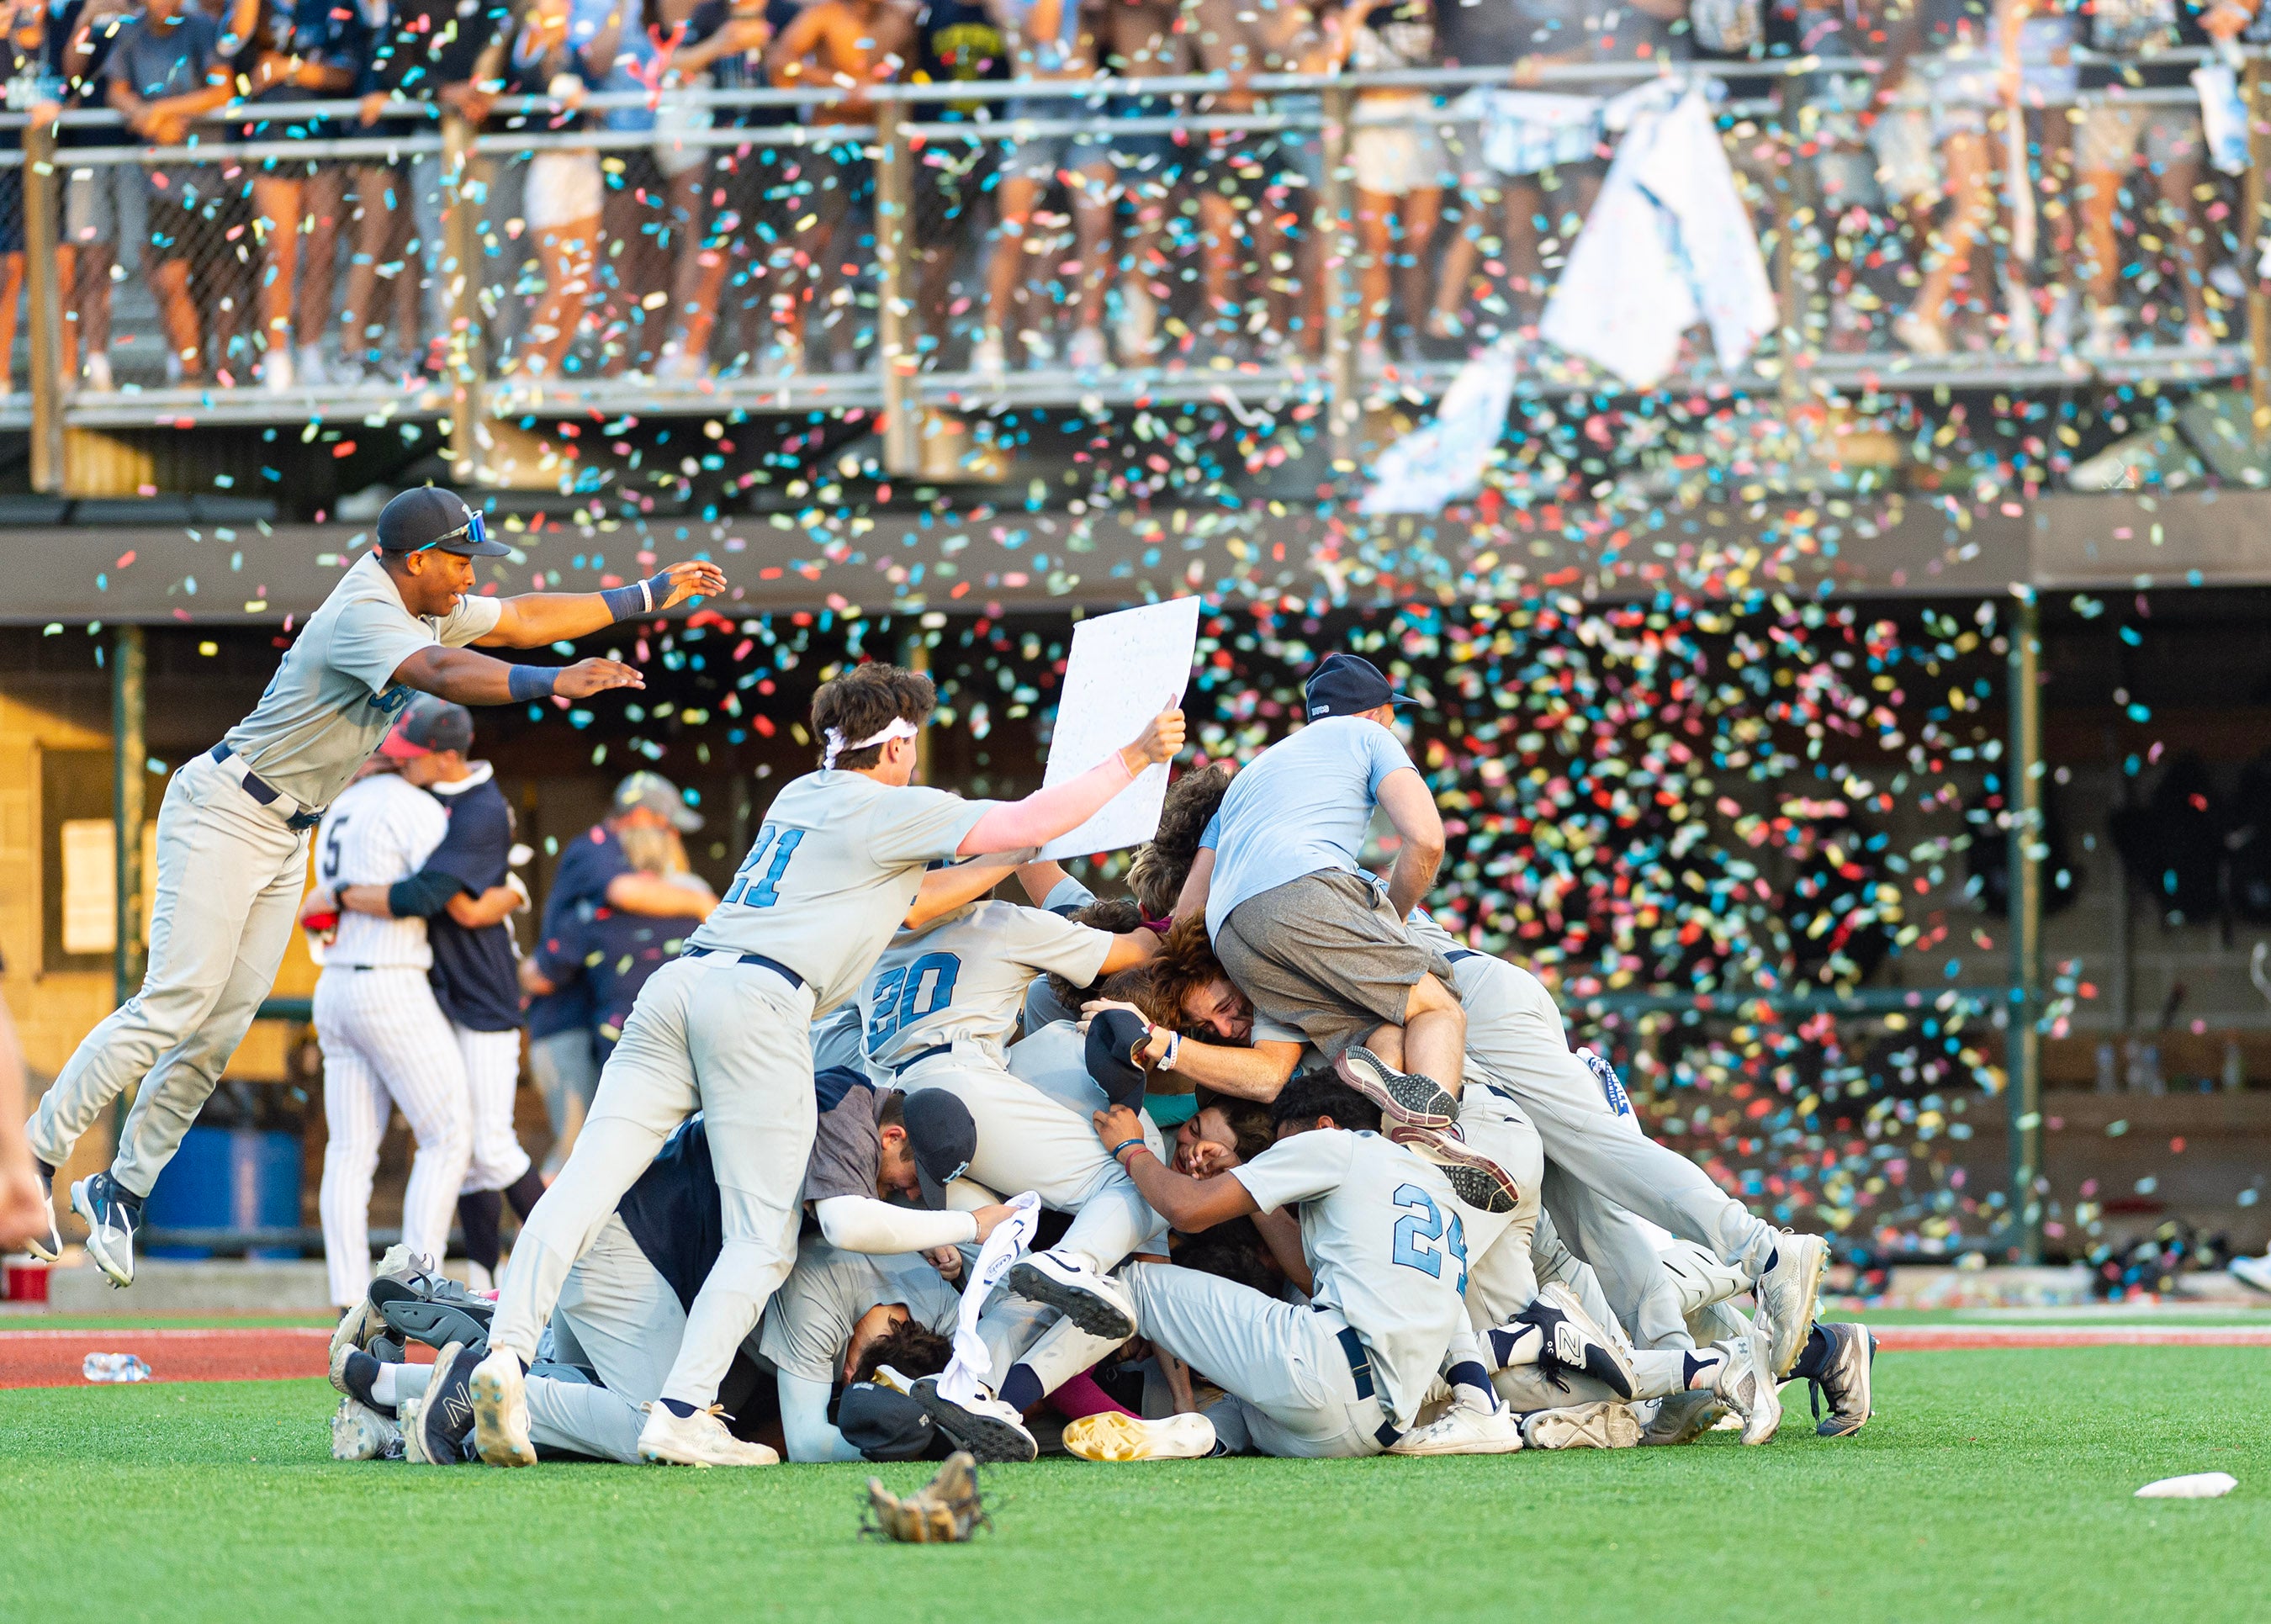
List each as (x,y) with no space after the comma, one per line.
(1116,914)
(1186,962)
(913,1349)
(1232,1250)
(1309,1095)
(1163,861)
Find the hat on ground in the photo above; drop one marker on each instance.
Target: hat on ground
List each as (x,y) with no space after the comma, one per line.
(432,517)
(427,725)
(658,795)
(1348,685)
(1114,1036)
(942,1138)
(884,1425)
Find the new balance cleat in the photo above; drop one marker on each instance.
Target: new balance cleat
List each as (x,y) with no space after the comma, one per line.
(360,1433)
(1112,1436)
(1600,1425)
(1569,1342)
(500,1400)
(1474,1178)
(697,1440)
(1097,1303)
(1844,1380)
(362,1325)
(1786,1293)
(112,1217)
(985,1427)
(1464,1429)
(439,1431)
(1407,1098)
(1746,1386)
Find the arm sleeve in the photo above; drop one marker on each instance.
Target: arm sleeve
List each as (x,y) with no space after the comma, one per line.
(1211,839)
(1041,817)
(862,1224)
(919,825)
(1068,896)
(805,1426)
(370,641)
(423,895)
(1297,1169)
(473,619)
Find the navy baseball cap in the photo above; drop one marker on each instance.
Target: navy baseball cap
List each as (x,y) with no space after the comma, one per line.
(658,795)
(432,517)
(942,1138)
(427,725)
(1114,1036)
(1348,685)
(884,1425)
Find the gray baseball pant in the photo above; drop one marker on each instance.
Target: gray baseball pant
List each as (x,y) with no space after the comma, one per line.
(618,1318)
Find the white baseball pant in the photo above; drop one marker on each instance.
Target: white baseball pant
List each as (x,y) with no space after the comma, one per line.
(1500,1279)
(732,1041)
(1293,1390)
(618,1317)
(386,1043)
(492,1064)
(230,877)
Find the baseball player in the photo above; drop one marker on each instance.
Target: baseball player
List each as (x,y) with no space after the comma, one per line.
(462,894)
(833,1305)
(385,1041)
(232,828)
(726,1028)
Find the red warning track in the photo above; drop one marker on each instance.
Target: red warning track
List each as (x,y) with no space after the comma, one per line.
(56,1358)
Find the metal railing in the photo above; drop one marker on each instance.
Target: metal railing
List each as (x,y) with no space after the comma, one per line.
(711,230)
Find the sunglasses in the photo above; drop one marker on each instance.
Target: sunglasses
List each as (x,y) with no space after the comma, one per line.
(473,529)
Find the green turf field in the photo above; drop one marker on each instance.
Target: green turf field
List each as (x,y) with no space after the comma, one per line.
(1991,1485)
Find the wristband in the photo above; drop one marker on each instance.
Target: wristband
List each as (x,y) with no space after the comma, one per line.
(531,681)
(639,598)
(1174,1048)
(1124,1144)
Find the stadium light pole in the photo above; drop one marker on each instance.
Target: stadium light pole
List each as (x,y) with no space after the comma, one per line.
(2022,801)
(129,754)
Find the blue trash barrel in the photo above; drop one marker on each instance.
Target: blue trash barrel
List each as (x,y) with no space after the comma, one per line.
(227,1178)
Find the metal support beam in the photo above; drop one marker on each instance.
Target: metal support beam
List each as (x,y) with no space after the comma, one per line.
(466,364)
(898,325)
(2252,212)
(2023,800)
(44,299)
(129,753)
(914,655)
(1344,312)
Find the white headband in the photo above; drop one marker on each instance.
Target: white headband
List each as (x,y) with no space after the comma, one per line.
(900,729)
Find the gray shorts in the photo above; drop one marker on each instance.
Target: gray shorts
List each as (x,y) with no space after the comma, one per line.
(2112,136)
(1322,953)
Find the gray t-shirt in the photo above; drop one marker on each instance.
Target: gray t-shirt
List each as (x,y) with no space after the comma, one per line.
(832,873)
(809,1321)
(1381,1231)
(848,1142)
(964,980)
(333,696)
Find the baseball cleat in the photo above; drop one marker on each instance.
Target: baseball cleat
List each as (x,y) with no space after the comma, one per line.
(51,1248)
(1111,1435)
(1464,1429)
(360,1433)
(985,1427)
(1568,1341)
(352,1372)
(436,1434)
(1407,1098)
(1600,1425)
(1844,1380)
(1746,1386)
(500,1400)
(112,1217)
(362,1325)
(1475,1179)
(2255,1272)
(1681,1418)
(1097,1304)
(422,1306)
(1786,1293)
(697,1440)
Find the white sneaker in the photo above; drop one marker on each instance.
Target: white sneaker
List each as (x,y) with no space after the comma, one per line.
(1086,353)
(310,367)
(987,359)
(276,370)
(696,1440)
(98,373)
(1097,1303)
(500,1399)
(360,1433)
(1602,1426)
(1112,1436)
(362,1324)
(2255,1272)
(1745,1386)
(985,1427)
(1464,1429)
(1786,1296)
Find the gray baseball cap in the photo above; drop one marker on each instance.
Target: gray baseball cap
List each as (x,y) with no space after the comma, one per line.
(657,794)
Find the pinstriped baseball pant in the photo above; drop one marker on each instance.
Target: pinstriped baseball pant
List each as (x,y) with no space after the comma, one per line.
(492,1064)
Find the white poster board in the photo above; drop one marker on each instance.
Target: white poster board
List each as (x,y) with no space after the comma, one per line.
(1125,668)
(90,886)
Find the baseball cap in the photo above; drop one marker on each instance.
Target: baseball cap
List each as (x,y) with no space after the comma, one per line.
(1111,1039)
(432,517)
(884,1425)
(942,1139)
(658,795)
(426,725)
(1348,685)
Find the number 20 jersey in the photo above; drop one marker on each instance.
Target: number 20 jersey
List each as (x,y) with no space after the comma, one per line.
(967,979)
(831,875)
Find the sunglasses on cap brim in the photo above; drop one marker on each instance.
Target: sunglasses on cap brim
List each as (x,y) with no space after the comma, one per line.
(474,530)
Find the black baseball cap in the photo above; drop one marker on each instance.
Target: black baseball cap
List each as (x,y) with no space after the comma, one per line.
(1112,1037)
(432,517)
(883,1424)
(1348,685)
(942,1137)
(428,723)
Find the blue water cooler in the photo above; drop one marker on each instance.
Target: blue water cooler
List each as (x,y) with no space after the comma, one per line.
(227,1178)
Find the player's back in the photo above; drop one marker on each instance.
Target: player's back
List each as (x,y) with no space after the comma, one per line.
(964,980)
(1299,807)
(379,830)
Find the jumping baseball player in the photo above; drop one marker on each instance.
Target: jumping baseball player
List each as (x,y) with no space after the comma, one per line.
(726,1029)
(385,1041)
(232,828)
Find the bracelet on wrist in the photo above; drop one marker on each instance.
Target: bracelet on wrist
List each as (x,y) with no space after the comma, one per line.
(1124,1145)
(1175,1048)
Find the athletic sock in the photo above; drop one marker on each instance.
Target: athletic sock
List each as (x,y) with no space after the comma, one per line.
(1506,1343)
(1705,1364)
(1469,1384)
(1021,1388)
(525,1193)
(1815,1355)
(681,1411)
(384,1394)
(480,1215)
(362,1378)
(46,1172)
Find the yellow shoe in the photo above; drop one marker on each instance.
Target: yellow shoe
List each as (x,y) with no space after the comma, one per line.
(1111,1436)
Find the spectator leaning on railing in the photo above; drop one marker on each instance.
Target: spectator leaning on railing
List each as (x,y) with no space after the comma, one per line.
(105,209)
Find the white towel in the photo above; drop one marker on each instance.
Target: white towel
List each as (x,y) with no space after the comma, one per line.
(971,1369)
(1442,460)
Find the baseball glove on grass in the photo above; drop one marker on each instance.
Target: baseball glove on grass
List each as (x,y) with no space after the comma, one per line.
(945,1509)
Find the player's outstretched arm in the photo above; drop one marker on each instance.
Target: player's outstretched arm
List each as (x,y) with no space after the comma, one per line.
(1046,814)
(1188,1204)
(533,619)
(946,890)
(1193,898)
(463,677)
